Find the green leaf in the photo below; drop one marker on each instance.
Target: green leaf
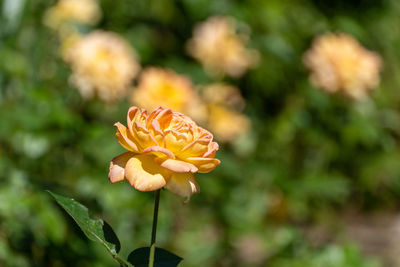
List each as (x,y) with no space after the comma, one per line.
(96,230)
(162,258)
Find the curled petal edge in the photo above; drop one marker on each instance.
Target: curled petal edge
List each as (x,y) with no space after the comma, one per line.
(204,165)
(117,167)
(176,165)
(159,152)
(122,136)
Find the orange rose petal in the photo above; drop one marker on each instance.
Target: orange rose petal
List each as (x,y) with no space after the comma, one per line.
(117,167)
(195,148)
(144,174)
(204,164)
(132,113)
(143,135)
(159,152)
(212,150)
(156,128)
(183,184)
(161,113)
(176,165)
(175,141)
(122,137)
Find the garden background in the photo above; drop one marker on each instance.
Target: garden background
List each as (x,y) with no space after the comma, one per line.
(314,182)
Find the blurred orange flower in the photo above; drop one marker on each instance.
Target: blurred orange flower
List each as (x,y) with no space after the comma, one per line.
(103,63)
(225,105)
(165,87)
(76,11)
(165,148)
(339,63)
(220,49)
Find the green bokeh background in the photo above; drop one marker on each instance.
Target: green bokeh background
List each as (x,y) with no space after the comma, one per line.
(286,196)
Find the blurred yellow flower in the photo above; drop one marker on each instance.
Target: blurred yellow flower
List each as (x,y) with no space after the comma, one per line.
(75,11)
(165,148)
(157,86)
(339,63)
(221,50)
(103,63)
(225,105)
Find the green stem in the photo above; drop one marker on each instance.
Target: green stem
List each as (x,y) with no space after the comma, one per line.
(154,229)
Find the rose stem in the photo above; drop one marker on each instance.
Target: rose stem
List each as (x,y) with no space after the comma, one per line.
(154,230)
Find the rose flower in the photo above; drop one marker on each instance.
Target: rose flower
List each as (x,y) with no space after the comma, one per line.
(165,148)
(218,46)
(339,63)
(76,11)
(103,64)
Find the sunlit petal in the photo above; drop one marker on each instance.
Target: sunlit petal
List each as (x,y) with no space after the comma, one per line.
(204,165)
(177,165)
(117,167)
(183,184)
(159,152)
(144,174)
(122,137)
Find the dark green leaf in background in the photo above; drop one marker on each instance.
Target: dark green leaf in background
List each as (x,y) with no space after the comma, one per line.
(162,258)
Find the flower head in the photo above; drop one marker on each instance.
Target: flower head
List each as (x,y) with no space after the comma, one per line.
(220,49)
(225,118)
(340,64)
(165,148)
(165,87)
(103,63)
(76,11)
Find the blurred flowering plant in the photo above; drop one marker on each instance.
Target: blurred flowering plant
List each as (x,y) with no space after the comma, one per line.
(72,11)
(103,63)
(220,49)
(338,63)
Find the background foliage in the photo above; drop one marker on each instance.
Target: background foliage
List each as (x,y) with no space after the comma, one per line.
(316,168)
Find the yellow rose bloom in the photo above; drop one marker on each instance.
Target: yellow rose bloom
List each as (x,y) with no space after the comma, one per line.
(225,105)
(103,63)
(75,11)
(165,148)
(338,63)
(157,86)
(221,50)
